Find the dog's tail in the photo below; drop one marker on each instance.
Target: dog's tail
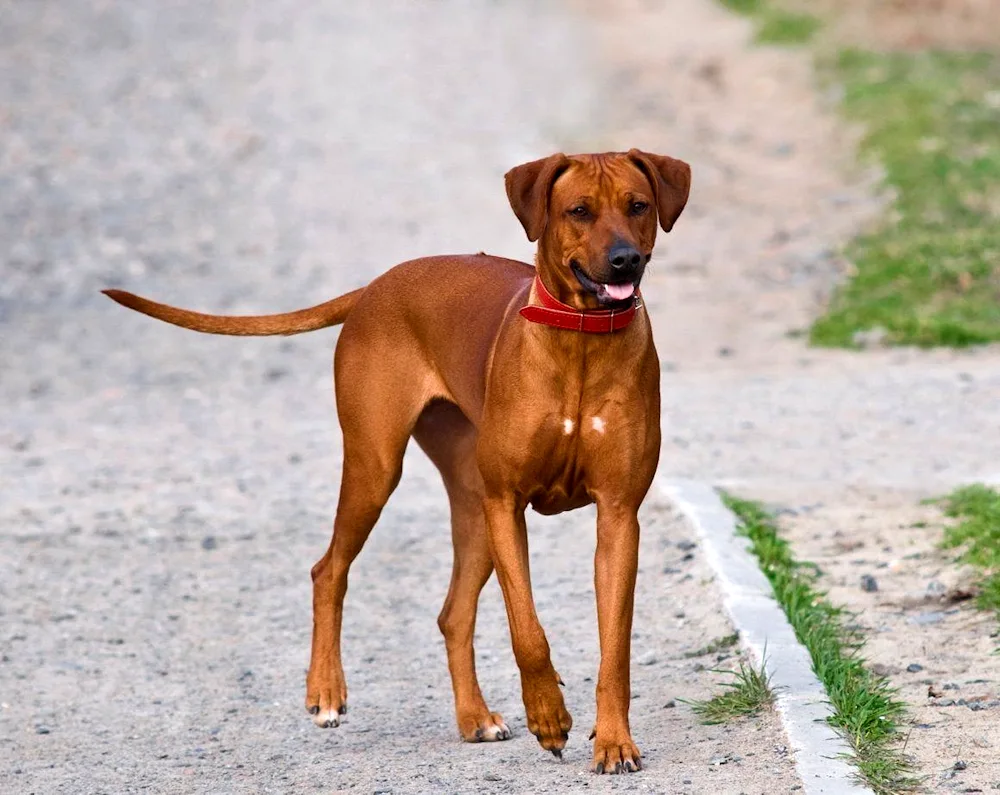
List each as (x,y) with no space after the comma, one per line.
(330,313)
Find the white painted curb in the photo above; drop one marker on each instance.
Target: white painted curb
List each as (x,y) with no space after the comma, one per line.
(747,596)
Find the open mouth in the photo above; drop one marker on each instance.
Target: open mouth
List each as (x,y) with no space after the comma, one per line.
(606,293)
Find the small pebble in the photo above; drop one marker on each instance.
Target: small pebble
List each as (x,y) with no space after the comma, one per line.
(913,668)
(209,542)
(959,765)
(670,704)
(868,583)
(42,730)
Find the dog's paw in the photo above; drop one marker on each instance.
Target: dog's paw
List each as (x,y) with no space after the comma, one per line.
(328,718)
(546,712)
(615,755)
(488,730)
(326,694)
(327,709)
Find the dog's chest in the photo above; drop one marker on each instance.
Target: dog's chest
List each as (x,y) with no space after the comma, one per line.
(561,466)
(566,418)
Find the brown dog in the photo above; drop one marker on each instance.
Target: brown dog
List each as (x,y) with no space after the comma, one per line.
(525,386)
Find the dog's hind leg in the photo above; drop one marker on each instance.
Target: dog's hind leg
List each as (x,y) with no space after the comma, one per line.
(449,440)
(377,408)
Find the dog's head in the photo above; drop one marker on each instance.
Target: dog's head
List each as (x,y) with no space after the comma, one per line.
(595,218)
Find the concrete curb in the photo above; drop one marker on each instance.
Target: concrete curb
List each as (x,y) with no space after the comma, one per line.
(758,618)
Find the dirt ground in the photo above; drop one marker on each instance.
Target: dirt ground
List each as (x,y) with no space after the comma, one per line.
(908,24)
(880,560)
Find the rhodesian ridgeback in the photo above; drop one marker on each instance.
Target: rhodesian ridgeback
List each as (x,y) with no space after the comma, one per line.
(525,386)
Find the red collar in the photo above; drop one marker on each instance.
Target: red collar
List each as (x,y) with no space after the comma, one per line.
(553,312)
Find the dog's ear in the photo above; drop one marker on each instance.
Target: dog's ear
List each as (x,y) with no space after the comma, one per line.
(671,181)
(528,189)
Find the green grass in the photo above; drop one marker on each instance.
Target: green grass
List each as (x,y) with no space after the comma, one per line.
(978,536)
(774,25)
(747,7)
(783,27)
(931,274)
(746,695)
(866,710)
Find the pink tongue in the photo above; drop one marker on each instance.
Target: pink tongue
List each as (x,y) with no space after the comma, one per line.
(619,291)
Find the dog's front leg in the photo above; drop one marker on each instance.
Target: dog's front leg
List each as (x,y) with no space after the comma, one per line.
(544,707)
(615,564)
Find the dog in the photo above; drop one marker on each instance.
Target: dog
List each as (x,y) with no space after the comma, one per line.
(524,386)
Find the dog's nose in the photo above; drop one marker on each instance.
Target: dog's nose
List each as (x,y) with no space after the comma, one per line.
(624,257)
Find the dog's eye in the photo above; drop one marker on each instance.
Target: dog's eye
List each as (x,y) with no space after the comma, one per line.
(580,211)
(638,208)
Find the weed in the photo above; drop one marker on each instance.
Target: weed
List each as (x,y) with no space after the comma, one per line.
(747,694)
(865,707)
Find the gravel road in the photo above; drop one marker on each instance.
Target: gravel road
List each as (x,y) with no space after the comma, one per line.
(165,493)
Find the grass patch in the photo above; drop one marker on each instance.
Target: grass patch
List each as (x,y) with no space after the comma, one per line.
(931,275)
(746,7)
(978,535)
(774,25)
(745,696)
(717,645)
(784,27)
(865,708)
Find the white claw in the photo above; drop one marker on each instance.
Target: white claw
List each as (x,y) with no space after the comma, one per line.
(327,719)
(496,732)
